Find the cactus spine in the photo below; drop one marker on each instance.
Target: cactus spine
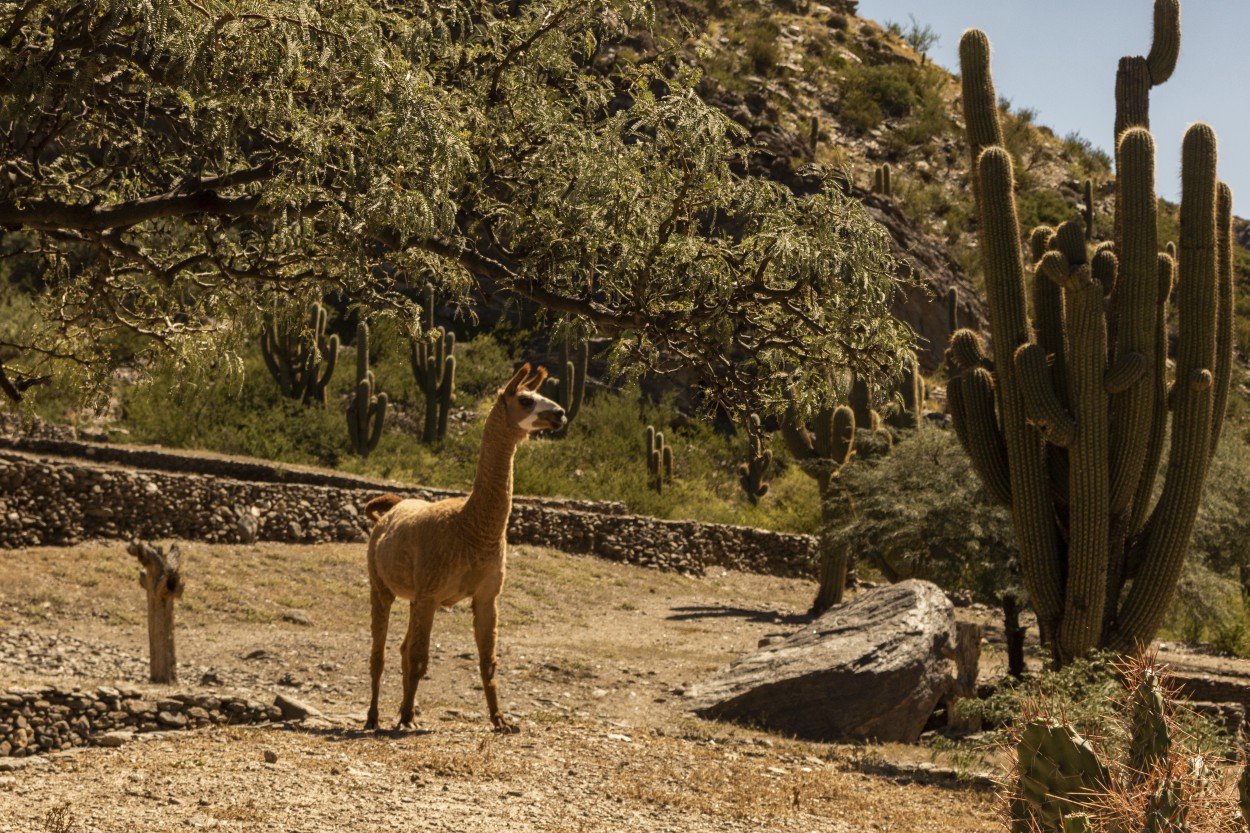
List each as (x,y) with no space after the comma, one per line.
(659,459)
(570,388)
(751,474)
(294,356)
(1066,425)
(1065,783)
(367,410)
(434,368)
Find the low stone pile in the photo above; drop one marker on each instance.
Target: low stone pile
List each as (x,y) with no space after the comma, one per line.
(62,502)
(35,721)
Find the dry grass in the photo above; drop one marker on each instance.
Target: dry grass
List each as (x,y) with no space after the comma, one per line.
(590,654)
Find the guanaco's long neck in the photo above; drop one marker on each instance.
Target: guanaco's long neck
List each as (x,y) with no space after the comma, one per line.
(485,513)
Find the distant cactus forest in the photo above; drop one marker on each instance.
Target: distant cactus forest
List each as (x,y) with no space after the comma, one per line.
(775,277)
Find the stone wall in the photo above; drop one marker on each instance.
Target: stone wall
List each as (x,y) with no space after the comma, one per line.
(48,501)
(36,721)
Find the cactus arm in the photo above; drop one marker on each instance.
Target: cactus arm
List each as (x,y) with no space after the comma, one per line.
(1043,406)
(980,101)
(446,394)
(1032,512)
(971,398)
(1088,476)
(1224,328)
(1048,319)
(1133,409)
(1165,46)
(1171,523)
(1166,267)
(1130,369)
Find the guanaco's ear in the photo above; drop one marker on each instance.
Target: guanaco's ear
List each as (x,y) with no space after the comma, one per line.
(510,389)
(536,381)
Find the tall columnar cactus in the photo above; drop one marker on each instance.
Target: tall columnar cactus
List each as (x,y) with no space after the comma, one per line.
(659,459)
(569,388)
(434,368)
(1066,423)
(367,410)
(821,452)
(301,359)
(751,474)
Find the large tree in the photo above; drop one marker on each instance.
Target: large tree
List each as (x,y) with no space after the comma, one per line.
(170,165)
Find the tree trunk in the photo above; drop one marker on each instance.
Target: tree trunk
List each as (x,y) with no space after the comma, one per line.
(161,577)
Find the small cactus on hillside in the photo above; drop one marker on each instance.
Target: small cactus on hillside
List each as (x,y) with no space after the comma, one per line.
(881,183)
(434,368)
(751,474)
(911,390)
(301,359)
(569,388)
(659,459)
(367,409)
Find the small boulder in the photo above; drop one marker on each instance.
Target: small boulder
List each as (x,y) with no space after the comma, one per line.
(872,668)
(293,709)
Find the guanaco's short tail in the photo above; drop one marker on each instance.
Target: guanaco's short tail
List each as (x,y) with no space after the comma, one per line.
(380,505)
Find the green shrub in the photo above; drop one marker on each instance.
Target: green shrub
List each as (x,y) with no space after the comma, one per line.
(921,512)
(761,48)
(872,93)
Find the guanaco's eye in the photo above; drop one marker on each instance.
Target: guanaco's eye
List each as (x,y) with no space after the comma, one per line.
(527,401)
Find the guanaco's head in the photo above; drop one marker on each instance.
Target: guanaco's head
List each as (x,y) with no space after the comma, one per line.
(525,407)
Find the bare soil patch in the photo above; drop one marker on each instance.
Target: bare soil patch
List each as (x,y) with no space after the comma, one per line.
(592,656)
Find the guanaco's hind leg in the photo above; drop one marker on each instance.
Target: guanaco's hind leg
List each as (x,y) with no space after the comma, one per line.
(485,621)
(416,655)
(380,600)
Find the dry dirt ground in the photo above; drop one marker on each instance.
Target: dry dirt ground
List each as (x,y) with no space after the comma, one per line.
(591,656)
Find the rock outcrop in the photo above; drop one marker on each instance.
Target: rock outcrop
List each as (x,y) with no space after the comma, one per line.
(872,668)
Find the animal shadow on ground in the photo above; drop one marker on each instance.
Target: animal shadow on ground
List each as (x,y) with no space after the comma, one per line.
(763,617)
(341,733)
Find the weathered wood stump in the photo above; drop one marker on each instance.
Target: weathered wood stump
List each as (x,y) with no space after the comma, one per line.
(161,577)
(967,657)
(872,668)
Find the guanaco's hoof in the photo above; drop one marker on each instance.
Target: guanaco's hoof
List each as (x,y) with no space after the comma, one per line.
(406,726)
(504,727)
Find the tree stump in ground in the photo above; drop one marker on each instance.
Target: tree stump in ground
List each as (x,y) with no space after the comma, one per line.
(967,657)
(871,668)
(161,577)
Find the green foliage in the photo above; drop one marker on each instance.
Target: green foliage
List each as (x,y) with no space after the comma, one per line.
(921,38)
(921,512)
(311,146)
(870,94)
(761,48)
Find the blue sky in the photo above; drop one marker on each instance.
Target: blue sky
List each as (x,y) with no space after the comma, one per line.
(1060,60)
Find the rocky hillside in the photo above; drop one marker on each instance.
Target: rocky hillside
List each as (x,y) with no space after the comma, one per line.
(815,83)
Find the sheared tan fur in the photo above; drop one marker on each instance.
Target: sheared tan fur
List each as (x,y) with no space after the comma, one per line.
(433,555)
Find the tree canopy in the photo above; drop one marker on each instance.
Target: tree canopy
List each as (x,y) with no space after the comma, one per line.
(168,167)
